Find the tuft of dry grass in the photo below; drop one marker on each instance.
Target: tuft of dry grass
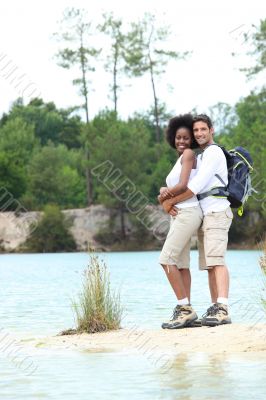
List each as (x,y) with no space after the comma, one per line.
(262,262)
(263,257)
(98,309)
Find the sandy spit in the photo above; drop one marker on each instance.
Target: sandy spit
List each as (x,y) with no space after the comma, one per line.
(215,340)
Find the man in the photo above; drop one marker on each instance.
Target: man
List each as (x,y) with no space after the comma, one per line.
(213,235)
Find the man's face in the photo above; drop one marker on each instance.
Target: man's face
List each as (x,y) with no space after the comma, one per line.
(202,133)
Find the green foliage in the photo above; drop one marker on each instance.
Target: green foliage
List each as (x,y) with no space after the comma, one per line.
(12,176)
(50,124)
(126,146)
(223,117)
(250,132)
(2,247)
(17,142)
(74,33)
(147,52)
(17,138)
(48,155)
(98,308)
(258,40)
(115,57)
(54,178)
(109,233)
(51,234)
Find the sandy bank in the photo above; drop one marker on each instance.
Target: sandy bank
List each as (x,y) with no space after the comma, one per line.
(222,339)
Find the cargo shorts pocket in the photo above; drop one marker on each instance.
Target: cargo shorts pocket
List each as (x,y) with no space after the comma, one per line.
(215,242)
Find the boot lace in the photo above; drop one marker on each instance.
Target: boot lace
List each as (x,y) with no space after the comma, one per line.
(176,312)
(211,311)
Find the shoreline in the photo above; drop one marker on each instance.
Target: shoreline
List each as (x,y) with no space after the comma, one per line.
(233,338)
(243,247)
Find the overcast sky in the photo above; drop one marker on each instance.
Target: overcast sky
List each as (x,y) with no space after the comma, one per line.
(212,30)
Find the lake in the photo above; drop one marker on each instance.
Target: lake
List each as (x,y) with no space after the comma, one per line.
(36,294)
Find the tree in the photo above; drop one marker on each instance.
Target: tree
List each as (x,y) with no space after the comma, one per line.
(258,41)
(17,142)
(12,179)
(76,31)
(115,59)
(250,132)
(122,162)
(50,123)
(51,234)
(223,117)
(54,177)
(147,53)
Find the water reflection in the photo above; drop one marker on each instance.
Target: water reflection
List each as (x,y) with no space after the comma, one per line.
(202,376)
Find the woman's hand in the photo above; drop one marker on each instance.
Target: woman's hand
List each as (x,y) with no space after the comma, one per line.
(163,189)
(160,199)
(167,194)
(169,208)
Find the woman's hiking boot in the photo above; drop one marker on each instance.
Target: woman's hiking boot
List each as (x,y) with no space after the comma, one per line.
(183,316)
(217,314)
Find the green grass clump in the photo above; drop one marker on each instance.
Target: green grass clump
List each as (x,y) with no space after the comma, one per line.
(98,309)
(52,233)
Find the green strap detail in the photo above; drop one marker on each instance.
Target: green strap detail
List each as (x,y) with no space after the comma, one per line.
(246,161)
(239,163)
(240,211)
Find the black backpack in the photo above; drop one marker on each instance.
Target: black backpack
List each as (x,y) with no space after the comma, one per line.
(240,166)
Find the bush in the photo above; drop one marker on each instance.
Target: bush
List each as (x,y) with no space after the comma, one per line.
(52,233)
(2,247)
(97,309)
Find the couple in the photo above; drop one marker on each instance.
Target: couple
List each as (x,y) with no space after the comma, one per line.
(192,209)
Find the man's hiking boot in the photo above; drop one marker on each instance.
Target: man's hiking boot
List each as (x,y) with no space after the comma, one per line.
(183,316)
(195,324)
(217,314)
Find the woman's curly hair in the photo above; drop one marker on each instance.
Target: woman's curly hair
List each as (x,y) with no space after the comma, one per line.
(181,121)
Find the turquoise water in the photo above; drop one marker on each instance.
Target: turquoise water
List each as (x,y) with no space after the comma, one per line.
(36,292)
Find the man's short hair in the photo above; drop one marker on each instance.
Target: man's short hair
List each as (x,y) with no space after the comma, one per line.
(203,118)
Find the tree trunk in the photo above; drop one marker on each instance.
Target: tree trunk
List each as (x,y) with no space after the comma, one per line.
(156,111)
(89,182)
(115,78)
(122,224)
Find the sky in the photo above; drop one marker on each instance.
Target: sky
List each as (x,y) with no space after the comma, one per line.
(209,29)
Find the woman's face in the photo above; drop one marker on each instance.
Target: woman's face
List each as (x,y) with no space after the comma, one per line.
(183,139)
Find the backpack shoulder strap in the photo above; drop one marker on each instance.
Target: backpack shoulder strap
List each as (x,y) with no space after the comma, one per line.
(220,179)
(212,144)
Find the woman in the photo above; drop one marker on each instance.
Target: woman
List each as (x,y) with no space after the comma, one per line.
(175,255)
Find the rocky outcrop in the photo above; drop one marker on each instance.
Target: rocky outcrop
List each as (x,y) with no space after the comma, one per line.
(15,228)
(88,222)
(85,225)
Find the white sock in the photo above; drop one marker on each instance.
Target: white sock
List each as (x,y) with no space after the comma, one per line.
(222,300)
(183,302)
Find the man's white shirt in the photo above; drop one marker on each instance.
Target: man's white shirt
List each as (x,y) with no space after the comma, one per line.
(211,162)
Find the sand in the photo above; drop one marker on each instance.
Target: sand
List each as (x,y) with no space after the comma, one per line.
(215,340)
